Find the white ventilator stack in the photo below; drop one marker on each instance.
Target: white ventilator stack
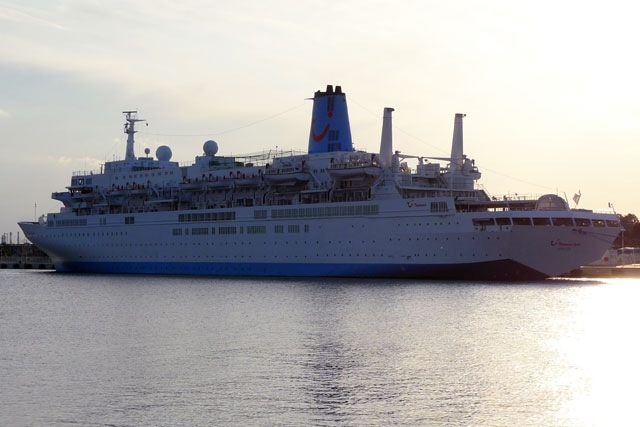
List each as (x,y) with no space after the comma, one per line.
(386,139)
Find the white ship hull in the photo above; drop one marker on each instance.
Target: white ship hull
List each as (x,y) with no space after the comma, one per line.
(394,242)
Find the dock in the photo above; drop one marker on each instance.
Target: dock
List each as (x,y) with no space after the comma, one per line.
(606,271)
(24,256)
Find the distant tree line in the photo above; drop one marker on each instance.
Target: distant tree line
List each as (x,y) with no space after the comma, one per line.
(631,235)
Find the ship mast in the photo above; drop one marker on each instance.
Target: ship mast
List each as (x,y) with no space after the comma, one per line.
(129,128)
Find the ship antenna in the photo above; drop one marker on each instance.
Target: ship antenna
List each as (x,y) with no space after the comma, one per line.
(129,128)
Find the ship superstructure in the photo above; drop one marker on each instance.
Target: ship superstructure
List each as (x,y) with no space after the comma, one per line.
(332,211)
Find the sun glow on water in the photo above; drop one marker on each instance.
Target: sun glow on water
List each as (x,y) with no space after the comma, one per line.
(596,374)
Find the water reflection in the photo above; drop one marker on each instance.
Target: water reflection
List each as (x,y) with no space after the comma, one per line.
(374,353)
(98,350)
(544,354)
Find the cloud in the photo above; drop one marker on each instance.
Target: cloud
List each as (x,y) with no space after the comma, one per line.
(17,16)
(85,162)
(3,114)
(63,160)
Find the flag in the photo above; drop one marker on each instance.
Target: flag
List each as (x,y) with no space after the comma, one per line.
(576,197)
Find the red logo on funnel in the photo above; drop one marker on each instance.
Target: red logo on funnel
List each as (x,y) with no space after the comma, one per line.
(318,138)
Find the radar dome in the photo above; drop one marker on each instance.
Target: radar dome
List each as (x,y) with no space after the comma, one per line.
(164,153)
(147,151)
(551,202)
(210,147)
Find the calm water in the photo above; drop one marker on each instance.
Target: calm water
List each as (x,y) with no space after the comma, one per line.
(91,350)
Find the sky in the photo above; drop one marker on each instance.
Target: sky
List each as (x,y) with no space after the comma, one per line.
(551,89)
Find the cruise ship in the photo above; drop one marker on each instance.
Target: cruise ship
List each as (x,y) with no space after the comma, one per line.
(332,211)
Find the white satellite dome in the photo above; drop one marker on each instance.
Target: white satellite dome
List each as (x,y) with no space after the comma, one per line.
(210,148)
(164,153)
(551,202)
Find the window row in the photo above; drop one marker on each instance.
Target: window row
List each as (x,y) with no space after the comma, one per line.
(207,216)
(324,211)
(561,221)
(251,229)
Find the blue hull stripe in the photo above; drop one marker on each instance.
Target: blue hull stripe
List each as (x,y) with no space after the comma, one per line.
(493,270)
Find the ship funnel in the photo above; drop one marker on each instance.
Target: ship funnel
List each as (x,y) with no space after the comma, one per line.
(386,140)
(457,149)
(330,130)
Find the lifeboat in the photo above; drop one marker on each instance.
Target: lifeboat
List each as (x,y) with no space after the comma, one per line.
(286,176)
(347,171)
